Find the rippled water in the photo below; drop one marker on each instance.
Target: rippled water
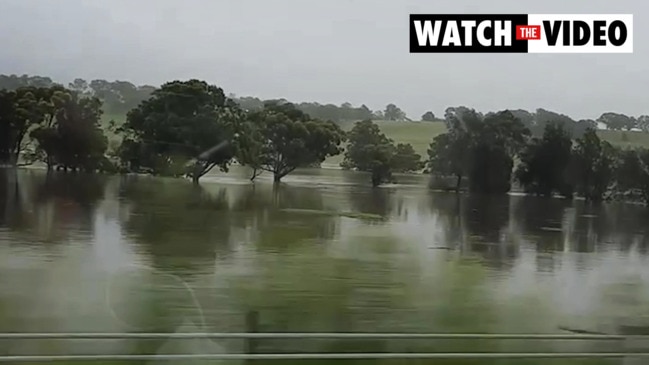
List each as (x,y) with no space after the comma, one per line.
(323,252)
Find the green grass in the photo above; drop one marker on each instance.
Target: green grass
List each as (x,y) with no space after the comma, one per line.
(626,139)
(418,134)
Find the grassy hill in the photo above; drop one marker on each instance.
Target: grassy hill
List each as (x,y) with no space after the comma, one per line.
(418,134)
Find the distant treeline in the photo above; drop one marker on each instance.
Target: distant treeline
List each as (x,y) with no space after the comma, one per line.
(187,128)
(118,97)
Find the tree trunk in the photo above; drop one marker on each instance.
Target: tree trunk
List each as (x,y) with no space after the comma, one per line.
(255,173)
(458,183)
(197,172)
(50,163)
(13,159)
(376,179)
(276,178)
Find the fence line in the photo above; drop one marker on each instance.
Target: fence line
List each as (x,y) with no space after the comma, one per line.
(311,335)
(324,356)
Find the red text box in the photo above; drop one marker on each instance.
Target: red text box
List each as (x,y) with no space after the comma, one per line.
(528,32)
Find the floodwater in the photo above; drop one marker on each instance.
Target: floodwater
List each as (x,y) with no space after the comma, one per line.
(322,252)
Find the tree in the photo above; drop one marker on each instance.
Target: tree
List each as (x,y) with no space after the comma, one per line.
(632,174)
(581,126)
(287,138)
(642,122)
(21,111)
(14,82)
(103,90)
(480,146)
(181,122)
(617,121)
(630,170)
(543,169)
(345,112)
(70,136)
(371,151)
(498,140)
(118,97)
(405,159)
(448,156)
(16,118)
(393,112)
(428,117)
(449,153)
(362,113)
(543,117)
(462,120)
(594,164)
(251,145)
(80,86)
(642,182)
(525,117)
(505,130)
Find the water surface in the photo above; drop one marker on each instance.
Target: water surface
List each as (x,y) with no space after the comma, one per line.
(322,252)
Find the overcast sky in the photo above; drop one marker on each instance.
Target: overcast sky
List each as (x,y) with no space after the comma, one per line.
(325,50)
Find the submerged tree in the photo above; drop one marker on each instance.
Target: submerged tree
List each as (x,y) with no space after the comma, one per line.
(594,165)
(18,114)
(281,138)
(22,111)
(183,121)
(543,169)
(448,156)
(371,151)
(70,136)
(64,126)
(481,147)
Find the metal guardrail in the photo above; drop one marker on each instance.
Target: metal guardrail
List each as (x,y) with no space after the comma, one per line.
(313,335)
(323,356)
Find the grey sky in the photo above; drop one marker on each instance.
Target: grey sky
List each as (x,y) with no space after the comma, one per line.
(325,51)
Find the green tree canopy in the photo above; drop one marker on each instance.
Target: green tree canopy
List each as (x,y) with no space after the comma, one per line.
(479,146)
(281,138)
(594,165)
(428,117)
(183,120)
(371,151)
(617,121)
(64,126)
(544,163)
(20,111)
(393,112)
(70,135)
